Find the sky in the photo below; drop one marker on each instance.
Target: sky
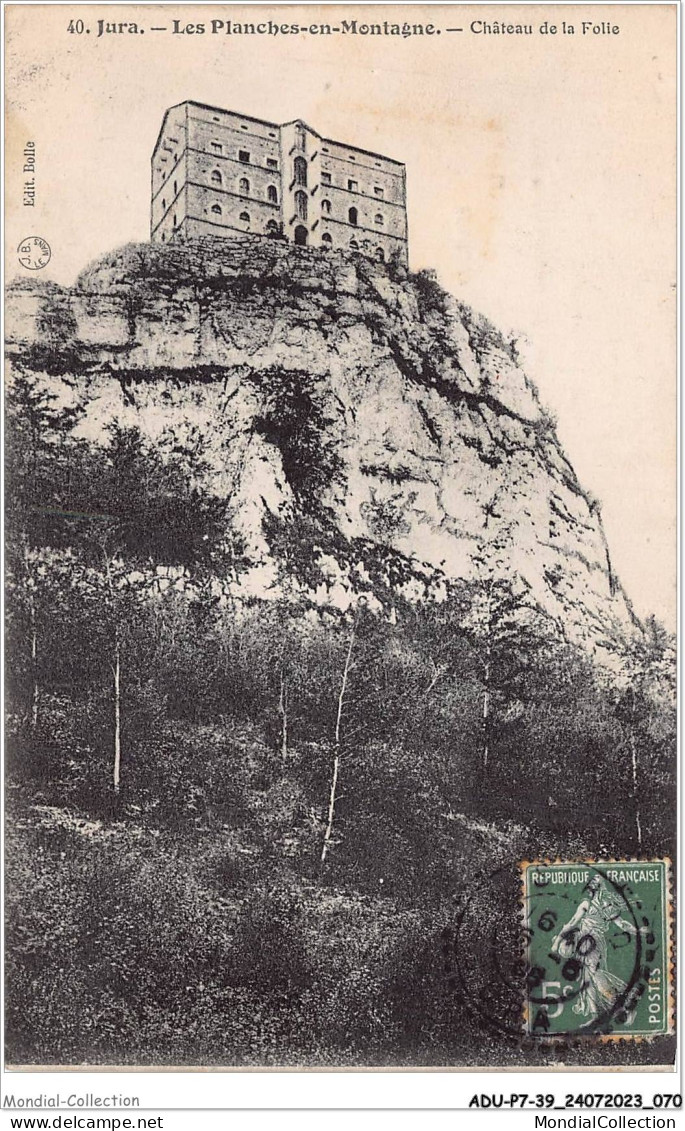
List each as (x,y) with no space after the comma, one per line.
(540,180)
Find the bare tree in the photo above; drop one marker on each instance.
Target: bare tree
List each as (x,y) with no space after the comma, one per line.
(283,712)
(493,606)
(116,672)
(486,700)
(116,675)
(336,747)
(35,688)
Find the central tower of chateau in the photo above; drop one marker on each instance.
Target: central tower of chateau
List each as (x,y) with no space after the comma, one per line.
(217,172)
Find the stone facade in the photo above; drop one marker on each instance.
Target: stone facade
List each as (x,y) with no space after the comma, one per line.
(217,172)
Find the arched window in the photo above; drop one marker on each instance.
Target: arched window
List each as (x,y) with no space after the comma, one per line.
(163,238)
(352,216)
(379,219)
(175,188)
(217,179)
(175,222)
(326,207)
(244,217)
(301,205)
(300,169)
(216,209)
(380,255)
(301,235)
(272,228)
(244,186)
(163,204)
(354,245)
(272,194)
(299,137)
(327,239)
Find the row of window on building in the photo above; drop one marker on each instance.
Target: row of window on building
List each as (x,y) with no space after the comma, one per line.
(300,167)
(217,179)
(217,147)
(300,170)
(244,155)
(301,201)
(353,186)
(243,125)
(300,140)
(300,177)
(352,214)
(243,188)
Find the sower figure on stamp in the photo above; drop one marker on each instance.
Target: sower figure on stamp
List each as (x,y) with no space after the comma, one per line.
(585,938)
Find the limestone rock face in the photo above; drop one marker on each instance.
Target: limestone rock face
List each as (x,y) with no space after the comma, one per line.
(348,394)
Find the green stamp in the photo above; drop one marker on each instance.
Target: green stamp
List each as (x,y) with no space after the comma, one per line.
(597,938)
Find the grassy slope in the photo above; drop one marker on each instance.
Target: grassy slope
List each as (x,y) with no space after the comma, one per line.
(206,940)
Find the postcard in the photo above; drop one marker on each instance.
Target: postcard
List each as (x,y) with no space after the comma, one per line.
(340,536)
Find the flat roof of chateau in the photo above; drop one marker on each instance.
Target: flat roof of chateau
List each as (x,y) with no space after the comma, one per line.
(275,125)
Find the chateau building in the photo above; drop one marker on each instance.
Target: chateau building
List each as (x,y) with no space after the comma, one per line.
(217,172)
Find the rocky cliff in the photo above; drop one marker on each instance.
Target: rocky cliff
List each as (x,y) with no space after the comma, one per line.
(356,404)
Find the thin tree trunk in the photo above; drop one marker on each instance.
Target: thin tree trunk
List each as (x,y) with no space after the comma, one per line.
(336,758)
(331,808)
(486,711)
(633,759)
(116,771)
(343,688)
(35,690)
(34,667)
(283,711)
(638,826)
(116,673)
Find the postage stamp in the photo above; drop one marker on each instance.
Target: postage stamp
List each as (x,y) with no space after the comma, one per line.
(597,938)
